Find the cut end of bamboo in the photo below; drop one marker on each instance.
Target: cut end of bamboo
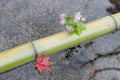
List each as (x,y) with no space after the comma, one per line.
(117,18)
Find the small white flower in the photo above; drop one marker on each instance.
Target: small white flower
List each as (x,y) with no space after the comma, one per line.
(77,16)
(62,18)
(62,21)
(68,29)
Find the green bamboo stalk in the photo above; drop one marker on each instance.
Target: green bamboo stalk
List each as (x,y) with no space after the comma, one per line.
(25,53)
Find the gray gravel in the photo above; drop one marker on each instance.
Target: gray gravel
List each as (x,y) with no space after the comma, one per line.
(26,20)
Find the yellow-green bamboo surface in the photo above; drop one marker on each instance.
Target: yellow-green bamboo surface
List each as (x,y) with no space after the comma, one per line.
(25,53)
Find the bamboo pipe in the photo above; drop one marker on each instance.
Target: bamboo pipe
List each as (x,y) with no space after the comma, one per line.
(25,53)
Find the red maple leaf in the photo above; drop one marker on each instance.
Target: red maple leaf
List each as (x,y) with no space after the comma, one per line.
(43,63)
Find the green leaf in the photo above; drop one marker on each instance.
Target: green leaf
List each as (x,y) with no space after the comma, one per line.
(78,27)
(72,23)
(82,26)
(67,17)
(72,32)
(78,30)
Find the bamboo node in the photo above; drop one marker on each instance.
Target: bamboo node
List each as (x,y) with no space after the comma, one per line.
(116,24)
(33,46)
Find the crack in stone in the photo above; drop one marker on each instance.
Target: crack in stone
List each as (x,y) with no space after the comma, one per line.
(104,69)
(101,56)
(101,70)
(98,56)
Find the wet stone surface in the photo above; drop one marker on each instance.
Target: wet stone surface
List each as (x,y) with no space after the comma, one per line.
(26,20)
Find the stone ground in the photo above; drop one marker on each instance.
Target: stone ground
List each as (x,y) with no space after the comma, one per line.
(26,20)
